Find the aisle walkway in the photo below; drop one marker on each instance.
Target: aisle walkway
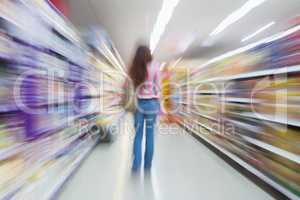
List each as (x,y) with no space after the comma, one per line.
(183,169)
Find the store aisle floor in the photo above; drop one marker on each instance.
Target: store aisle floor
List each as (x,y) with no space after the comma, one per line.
(183,168)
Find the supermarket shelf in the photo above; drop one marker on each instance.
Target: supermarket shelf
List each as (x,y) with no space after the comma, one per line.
(49,130)
(58,21)
(278,151)
(246,48)
(255,74)
(14,188)
(8,108)
(203,125)
(4,57)
(183,113)
(216,132)
(68,173)
(55,103)
(273,149)
(241,100)
(212,92)
(205,116)
(48,187)
(206,127)
(245,125)
(43,49)
(200,114)
(61,47)
(11,151)
(69,142)
(268,72)
(245,165)
(269,118)
(197,104)
(244,144)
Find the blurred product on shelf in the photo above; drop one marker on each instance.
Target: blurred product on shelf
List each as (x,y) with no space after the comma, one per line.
(54,88)
(171,74)
(246,104)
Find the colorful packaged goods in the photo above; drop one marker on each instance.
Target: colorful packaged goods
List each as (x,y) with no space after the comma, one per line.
(247,104)
(50,95)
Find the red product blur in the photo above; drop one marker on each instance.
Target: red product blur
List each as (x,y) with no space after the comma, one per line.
(62,6)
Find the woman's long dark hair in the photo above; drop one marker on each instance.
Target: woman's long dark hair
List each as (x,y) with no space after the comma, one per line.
(138,68)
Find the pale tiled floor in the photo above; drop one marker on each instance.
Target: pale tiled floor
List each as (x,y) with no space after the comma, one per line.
(183,168)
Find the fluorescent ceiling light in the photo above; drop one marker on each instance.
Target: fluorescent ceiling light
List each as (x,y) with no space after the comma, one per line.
(258,31)
(163,19)
(237,15)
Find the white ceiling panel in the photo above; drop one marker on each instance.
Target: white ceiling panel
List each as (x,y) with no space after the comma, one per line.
(187,33)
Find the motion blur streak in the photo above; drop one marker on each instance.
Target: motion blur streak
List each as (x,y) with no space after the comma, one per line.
(247,47)
(237,15)
(162,21)
(58,89)
(258,31)
(65,96)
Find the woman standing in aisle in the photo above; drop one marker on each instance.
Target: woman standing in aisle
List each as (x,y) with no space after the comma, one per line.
(144,73)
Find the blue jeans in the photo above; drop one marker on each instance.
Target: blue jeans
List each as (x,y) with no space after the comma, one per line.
(147,111)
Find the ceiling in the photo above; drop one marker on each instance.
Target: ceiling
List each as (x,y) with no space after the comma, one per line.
(187,33)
